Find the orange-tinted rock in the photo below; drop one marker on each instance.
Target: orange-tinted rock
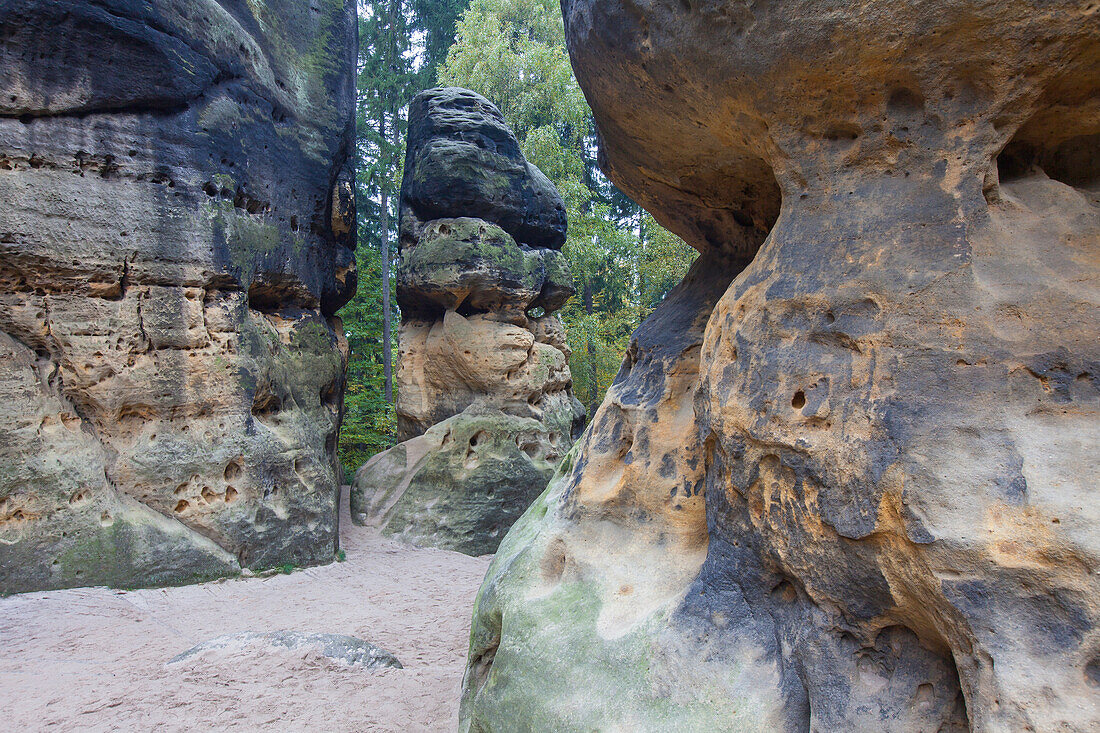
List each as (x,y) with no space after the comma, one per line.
(887,418)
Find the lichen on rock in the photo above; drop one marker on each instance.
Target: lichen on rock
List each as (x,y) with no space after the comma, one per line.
(484,401)
(176,237)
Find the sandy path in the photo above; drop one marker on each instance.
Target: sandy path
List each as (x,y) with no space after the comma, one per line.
(92,659)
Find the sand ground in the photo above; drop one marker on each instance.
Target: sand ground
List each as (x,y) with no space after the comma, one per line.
(93,659)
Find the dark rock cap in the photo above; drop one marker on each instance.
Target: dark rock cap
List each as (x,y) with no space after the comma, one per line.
(462,159)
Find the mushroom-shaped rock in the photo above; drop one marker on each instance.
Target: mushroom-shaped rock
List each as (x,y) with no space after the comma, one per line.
(846,478)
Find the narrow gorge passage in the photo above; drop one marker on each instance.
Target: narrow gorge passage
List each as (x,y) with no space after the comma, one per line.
(96,658)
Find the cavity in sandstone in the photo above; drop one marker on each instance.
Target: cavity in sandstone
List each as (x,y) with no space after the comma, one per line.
(176,234)
(846,478)
(484,400)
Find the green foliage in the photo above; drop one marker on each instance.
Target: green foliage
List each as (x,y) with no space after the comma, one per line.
(512,52)
(623,262)
(370,424)
(400,44)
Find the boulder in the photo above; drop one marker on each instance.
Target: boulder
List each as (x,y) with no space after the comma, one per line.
(470,264)
(177,235)
(462,159)
(846,477)
(461,484)
(340,648)
(484,395)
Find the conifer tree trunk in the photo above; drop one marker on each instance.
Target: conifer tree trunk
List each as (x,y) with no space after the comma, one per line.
(593,371)
(384,224)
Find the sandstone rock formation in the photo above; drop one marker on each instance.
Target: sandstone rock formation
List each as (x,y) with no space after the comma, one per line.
(176,235)
(484,403)
(846,478)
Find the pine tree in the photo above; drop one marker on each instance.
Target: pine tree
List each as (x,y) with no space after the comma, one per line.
(513,52)
(401,42)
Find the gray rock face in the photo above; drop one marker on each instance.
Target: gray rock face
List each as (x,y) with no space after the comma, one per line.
(484,400)
(346,650)
(176,235)
(846,478)
(462,483)
(462,159)
(471,264)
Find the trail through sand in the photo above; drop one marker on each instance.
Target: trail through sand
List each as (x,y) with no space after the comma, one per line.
(93,659)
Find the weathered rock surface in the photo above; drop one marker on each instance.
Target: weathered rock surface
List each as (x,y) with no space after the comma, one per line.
(846,478)
(346,650)
(462,159)
(484,400)
(175,238)
(465,481)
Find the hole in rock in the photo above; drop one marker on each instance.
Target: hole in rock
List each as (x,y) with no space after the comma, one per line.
(330,394)
(1064,145)
(265,403)
(552,564)
(840,131)
(785,592)
(799,400)
(233,470)
(181,506)
(482,664)
(1092,672)
(466,310)
(904,99)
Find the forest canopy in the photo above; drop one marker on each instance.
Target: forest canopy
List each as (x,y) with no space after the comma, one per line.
(513,53)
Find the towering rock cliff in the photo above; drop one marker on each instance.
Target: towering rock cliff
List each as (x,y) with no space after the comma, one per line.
(484,400)
(176,234)
(847,476)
